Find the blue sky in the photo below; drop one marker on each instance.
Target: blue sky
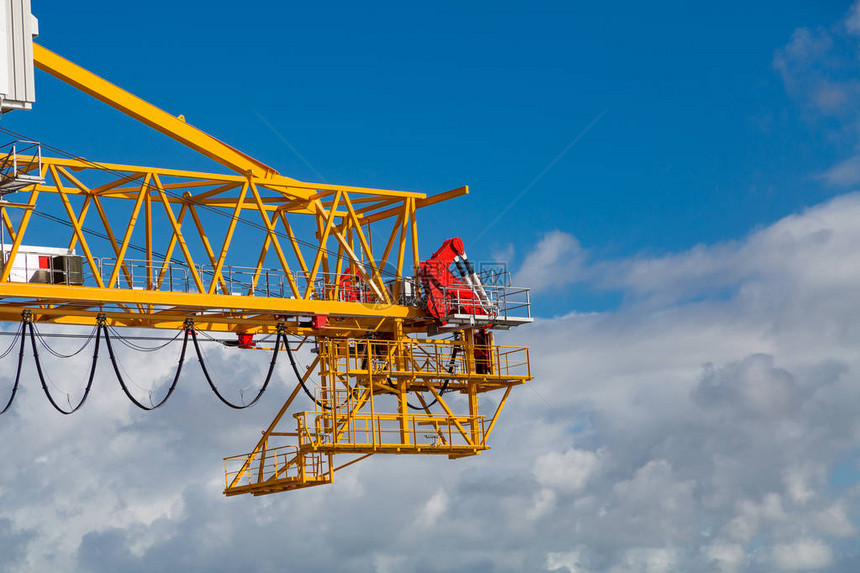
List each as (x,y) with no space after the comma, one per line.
(700,141)
(708,221)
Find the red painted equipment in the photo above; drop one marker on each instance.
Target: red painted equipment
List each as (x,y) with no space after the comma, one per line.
(350,286)
(246,340)
(446,293)
(482,351)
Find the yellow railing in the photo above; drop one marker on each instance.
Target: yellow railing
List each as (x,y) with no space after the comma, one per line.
(344,427)
(440,359)
(283,463)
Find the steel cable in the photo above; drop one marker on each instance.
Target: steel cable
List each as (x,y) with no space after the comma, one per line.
(12,344)
(17,371)
(60,354)
(215,389)
(139,348)
(124,386)
(302,380)
(444,387)
(42,375)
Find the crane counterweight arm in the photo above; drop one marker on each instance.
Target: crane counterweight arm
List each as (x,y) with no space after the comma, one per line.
(151,115)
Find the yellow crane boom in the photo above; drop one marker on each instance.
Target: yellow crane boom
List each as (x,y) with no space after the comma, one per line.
(259,253)
(154,117)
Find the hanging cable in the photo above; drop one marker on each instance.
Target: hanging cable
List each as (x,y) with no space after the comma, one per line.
(444,388)
(302,380)
(121,380)
(14,340)
(28,322)
(18,369)
(127,342)
(190,326)
(44,343)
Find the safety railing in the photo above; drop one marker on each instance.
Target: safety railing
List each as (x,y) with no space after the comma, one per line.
(176,276)
(350,424)
(493,304)
(20,165)
(283,464)
(499,304)
(426,359)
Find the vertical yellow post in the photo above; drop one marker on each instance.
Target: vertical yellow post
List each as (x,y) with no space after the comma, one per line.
(402,383)
(19,235)
(473,413)
(469,348)
(147,214)
(468,338)
(414,227)
(263,458)
(492,353)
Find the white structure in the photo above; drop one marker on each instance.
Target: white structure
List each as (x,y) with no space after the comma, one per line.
(47,265)
(19,26)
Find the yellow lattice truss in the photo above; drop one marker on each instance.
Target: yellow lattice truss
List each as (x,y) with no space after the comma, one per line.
(257,252)
(257,267)
(363,408)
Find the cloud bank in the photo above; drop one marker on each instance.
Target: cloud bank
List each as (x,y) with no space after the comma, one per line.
(710,424)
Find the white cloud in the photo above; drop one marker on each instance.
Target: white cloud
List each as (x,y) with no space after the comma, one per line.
(705,421)
(647,560)
(433,510)
(845,173)
(852,21)
(726,557)
(821,74)
(544,504)
(803,554)
(802,481)
(834,521)
(556,261)
(569,560)
(566,472)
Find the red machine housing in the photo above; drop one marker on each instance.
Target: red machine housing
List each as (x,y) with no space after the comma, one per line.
(446,293)
(350,286)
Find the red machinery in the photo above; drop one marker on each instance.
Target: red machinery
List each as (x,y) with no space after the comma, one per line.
(447,294)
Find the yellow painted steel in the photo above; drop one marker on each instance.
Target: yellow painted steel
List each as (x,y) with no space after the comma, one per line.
(162,247)
(147,113)
(362,408)
(187,275)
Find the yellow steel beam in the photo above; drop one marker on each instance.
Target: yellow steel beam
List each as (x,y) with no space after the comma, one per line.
(145,112)
(270,233)
(295,244)
(144,189)
(171,245)
(19,234)
(413,222)
(419,202)
(8,223)
(206,246)
(219,264)
(77,227)
(177,232)
(191,301)
(329,217)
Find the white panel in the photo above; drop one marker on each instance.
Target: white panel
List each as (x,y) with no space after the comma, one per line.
(19,27)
